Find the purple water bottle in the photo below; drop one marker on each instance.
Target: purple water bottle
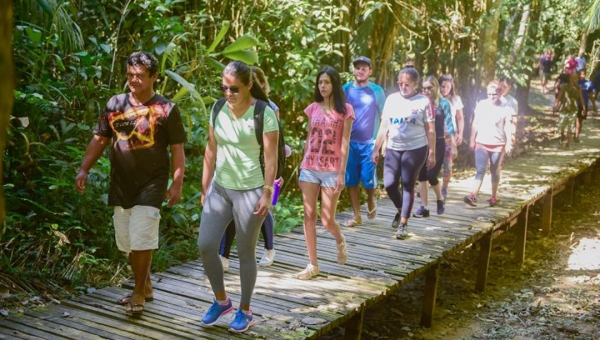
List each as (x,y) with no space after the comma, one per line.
(276,189)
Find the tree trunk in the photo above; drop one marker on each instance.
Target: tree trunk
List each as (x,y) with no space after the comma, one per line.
(583,43)
(6,87)
(522,31)
(522,96)
(488,44)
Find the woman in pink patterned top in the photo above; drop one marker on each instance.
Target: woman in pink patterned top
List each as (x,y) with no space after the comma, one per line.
(323,168)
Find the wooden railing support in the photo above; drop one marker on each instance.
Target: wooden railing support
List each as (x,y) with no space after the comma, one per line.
(521,232)
(547,213)
(354,325)
(430,295)
(484,261)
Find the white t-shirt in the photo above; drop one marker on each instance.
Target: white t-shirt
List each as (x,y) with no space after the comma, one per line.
(491,122)
(407,117)
(512,103)
(455,105)
(580,63)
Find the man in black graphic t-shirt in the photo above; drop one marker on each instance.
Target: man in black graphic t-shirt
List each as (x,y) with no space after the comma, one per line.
(140,127)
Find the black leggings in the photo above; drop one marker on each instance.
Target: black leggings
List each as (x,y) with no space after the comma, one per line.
(267,230)
(406,165)
(431,175)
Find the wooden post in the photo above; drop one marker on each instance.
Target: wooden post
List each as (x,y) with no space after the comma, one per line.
(521,231)
(587,177)
(569,189)
(547,213)
(353,326)
(430,295)
(484,261)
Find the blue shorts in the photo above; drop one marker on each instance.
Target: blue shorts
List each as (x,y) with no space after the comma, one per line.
(360,166)
(324,178)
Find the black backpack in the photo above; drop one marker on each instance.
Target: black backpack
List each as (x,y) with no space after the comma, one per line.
(259,110)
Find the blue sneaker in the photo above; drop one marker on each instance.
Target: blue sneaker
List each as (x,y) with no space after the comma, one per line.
(421,212)
(216,311)
(241,322)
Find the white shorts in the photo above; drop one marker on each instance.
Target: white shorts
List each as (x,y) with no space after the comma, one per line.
(136,228)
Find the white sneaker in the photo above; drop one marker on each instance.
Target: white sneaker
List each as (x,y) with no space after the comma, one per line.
(225,263)
(308,273)
(267,258)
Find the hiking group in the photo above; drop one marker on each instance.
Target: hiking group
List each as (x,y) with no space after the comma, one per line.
(415,131)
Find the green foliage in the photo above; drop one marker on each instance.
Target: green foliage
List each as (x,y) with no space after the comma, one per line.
(71,60)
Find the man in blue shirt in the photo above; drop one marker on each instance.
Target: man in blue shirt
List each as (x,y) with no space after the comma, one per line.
(367,99)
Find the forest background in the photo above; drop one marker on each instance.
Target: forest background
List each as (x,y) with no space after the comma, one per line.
(69,58)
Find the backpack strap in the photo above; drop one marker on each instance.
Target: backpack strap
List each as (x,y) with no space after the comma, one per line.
(259,118)
(216,109)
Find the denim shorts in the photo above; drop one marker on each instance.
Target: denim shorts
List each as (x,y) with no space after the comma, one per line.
(324,178)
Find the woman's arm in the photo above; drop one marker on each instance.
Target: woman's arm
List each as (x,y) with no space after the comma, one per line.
(509,132)
(381,135)
(270,141)
(460,121)
(430,131)
(210,154)
(341,180)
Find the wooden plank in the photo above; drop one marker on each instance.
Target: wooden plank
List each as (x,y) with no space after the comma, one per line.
(430,296)
(47,330)
(11,334)
(484,262)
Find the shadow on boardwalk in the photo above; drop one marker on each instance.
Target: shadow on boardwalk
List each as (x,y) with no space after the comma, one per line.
(378,265)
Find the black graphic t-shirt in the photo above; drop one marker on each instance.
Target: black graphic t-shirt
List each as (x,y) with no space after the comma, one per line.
(139,154)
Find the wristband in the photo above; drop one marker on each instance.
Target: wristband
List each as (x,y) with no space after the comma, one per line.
(268,187)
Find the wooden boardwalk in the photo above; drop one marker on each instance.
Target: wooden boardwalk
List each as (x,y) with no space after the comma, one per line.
(378,265)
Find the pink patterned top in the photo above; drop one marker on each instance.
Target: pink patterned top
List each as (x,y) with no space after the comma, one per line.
(324,148)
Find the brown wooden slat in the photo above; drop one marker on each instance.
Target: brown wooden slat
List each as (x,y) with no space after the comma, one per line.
(378,265)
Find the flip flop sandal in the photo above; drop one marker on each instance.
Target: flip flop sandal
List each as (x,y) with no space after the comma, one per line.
(132,309)
(124,300)
(371,214)
(352,223)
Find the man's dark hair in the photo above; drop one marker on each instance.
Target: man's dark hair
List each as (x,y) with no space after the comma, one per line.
(143,58)
(506,81)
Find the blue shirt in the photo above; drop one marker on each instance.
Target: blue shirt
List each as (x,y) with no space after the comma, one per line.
(368,102)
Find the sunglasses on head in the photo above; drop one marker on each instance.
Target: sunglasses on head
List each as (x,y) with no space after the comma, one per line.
(233,89)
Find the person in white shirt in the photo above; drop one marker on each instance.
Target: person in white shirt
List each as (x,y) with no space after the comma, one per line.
(491,138)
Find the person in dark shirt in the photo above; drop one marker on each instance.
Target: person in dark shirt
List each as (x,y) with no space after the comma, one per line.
(141,128)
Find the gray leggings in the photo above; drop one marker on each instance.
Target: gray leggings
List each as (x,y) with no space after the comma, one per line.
(482,156)
(220,207)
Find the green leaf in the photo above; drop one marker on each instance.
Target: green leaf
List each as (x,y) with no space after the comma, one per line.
(249,57)
(34,34)
(242,43)
(215,64)
(184,83)
(59,62)
(182,92)
(220,35)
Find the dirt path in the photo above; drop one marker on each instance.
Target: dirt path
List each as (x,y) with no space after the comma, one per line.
(555,294)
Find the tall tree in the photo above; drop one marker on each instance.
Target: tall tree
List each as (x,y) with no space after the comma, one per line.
(7,86)
(488,43)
